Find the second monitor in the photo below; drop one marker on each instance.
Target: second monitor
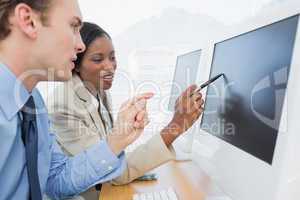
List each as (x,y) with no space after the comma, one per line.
(186,71)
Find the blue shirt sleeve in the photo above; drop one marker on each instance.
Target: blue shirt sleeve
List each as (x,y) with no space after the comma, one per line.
(70,176)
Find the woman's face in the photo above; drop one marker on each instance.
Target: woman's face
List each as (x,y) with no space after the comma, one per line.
(99,64)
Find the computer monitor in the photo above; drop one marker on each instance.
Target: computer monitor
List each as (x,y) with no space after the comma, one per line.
(185,75)
(248,138)
(244,108)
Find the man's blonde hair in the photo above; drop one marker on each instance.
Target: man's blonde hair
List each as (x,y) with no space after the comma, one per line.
(8,6)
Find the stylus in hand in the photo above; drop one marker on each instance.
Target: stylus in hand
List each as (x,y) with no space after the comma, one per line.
(210,81)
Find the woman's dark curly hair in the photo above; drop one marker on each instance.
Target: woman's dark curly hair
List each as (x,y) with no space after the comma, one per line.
(89,32)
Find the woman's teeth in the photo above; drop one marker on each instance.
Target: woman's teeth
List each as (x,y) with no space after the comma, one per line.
(108,77)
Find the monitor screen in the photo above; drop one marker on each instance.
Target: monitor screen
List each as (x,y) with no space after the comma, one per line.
(185,75)
(244,108)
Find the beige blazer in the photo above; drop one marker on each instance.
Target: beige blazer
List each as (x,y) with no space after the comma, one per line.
(75,119)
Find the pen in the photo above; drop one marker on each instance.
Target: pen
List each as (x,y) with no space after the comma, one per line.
(209,82)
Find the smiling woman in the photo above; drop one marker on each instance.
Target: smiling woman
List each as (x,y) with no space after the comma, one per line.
(81,112)
(97,65)
(81,109)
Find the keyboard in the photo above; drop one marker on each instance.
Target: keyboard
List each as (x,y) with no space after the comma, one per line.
(166,194)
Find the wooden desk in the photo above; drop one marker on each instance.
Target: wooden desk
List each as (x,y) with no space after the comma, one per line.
(188,180)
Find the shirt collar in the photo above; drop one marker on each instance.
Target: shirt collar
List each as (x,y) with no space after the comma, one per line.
(13,92)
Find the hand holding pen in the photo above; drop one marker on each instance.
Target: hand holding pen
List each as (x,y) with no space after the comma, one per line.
(210,81)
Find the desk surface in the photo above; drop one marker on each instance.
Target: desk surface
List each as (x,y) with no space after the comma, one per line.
(187,179)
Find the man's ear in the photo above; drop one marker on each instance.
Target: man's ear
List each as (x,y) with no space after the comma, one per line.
(27,20)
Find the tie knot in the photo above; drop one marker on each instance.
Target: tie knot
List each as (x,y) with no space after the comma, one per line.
(28,110)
